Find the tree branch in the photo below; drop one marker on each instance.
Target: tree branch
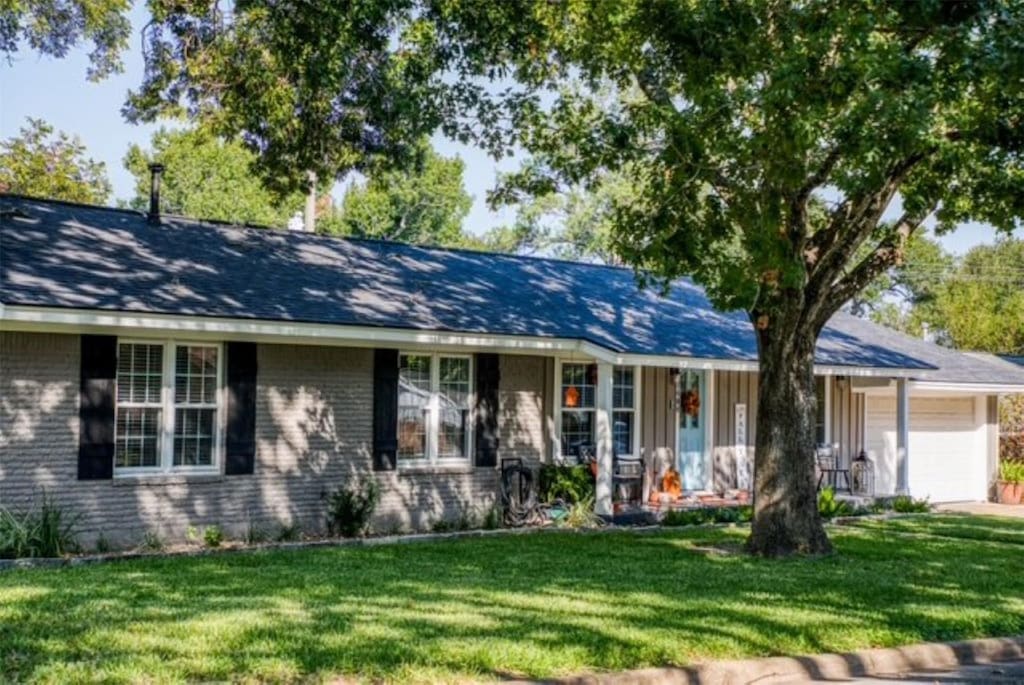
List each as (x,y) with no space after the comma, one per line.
(886,254)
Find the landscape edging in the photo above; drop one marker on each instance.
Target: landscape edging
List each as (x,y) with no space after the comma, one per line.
(410,538)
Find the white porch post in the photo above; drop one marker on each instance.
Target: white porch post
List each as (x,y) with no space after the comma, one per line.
(603,440)
(902,437)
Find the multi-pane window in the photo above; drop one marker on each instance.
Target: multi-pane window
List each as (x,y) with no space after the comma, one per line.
(434,407)
(453,399)
(139,405)
(414,401)
(167,407)
(623,409)
(578,399)
(820,433)
(195,404)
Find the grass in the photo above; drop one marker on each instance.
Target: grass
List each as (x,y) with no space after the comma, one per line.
(487,608)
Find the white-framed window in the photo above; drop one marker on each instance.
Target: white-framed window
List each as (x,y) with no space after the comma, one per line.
(435,400)
(624,399)
(577,407)
(822,398)
(577,402)
(168,401)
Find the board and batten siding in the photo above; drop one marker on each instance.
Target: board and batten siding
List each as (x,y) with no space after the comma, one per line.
(732,468)
(658,415)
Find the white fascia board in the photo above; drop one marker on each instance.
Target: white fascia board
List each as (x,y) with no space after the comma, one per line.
(59,320)
(46,319)
(669,361)
(967,388)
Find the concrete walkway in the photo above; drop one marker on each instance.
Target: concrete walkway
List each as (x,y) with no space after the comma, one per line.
(982,509)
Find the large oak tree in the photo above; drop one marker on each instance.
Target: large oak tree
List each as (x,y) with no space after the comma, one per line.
(782,152)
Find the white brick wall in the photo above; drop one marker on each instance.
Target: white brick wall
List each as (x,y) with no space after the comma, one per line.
(313,430)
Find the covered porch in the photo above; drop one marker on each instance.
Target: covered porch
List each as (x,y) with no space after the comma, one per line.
(681,435)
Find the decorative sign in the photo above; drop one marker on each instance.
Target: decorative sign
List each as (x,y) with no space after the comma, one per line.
(740,448)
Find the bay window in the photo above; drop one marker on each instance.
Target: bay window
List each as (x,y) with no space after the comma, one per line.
(434,408)
(167,407)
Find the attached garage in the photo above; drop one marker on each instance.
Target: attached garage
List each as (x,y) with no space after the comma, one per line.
(947,446)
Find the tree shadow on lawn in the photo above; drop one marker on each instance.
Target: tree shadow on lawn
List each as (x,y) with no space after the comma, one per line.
(525,605)
(957,526)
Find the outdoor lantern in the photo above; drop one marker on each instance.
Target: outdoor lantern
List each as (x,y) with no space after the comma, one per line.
(862,473)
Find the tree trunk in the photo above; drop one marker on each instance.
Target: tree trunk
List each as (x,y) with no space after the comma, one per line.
(786,519)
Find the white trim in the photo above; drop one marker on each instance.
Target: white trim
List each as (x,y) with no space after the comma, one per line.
(219,329)
(168,406)
(966,388)
(432,460)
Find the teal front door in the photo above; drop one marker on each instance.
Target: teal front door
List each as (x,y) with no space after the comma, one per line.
(693,461)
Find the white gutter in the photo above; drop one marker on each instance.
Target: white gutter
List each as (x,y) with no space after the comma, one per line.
(59,320)
(969,388)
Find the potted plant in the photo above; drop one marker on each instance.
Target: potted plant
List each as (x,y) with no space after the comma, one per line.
(1010,486)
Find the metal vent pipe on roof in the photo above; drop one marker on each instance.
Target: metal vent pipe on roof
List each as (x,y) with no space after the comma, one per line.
(156,171)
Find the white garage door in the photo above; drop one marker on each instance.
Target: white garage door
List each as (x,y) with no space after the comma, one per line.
(947,452)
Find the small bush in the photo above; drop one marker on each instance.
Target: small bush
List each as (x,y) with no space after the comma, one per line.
(289,533)
(48,531)
(192,534)
(581,515)
(905,504)
(830,507)
(349,508)
(492,518)
(102,544)
(1011,471)
(571,484)
(152,542)
(255,535)
(213,536)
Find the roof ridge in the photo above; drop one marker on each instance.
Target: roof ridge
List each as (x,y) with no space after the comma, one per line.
(219,224)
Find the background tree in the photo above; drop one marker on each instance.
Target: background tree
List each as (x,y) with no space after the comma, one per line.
(733,121)
(40,162)
(425,204)
(981,306)
(576,224)
(906,297)
(209,178)
(53,27)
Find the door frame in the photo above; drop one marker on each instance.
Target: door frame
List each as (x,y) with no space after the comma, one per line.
(708,408)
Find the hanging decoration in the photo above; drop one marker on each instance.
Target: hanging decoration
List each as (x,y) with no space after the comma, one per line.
(572,397)
(691,403)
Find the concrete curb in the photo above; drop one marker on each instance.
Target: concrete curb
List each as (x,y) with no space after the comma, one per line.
(929,656)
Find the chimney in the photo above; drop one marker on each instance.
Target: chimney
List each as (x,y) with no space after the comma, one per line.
(155,172)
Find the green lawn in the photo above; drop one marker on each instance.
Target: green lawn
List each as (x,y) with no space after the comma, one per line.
(539,605)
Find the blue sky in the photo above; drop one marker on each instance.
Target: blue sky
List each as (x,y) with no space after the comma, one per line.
(57,91)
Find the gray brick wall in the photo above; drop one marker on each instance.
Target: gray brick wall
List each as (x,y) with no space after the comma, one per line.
(313,423)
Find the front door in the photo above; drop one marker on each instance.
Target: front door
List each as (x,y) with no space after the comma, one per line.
(693,462)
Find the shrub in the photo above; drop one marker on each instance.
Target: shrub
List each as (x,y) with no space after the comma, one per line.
(289,533)
(152,542)
(572,484)
(696,517)
(350,507)
(192,534)
(46,532)
(213,536)
(492,518)
(581,515)
(102,544)
(905,504)
(1011,471)
(830,507)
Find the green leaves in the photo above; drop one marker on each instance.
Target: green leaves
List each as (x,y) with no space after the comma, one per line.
(40,162)
(208,178)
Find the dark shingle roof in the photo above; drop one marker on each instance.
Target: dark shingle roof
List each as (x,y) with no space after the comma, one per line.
(56,254)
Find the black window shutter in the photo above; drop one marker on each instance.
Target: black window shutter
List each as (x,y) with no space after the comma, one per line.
(385,410)
(240,445)
(488,376)
(96,407)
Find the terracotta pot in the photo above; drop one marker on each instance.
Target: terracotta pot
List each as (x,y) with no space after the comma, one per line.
(1009,493)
